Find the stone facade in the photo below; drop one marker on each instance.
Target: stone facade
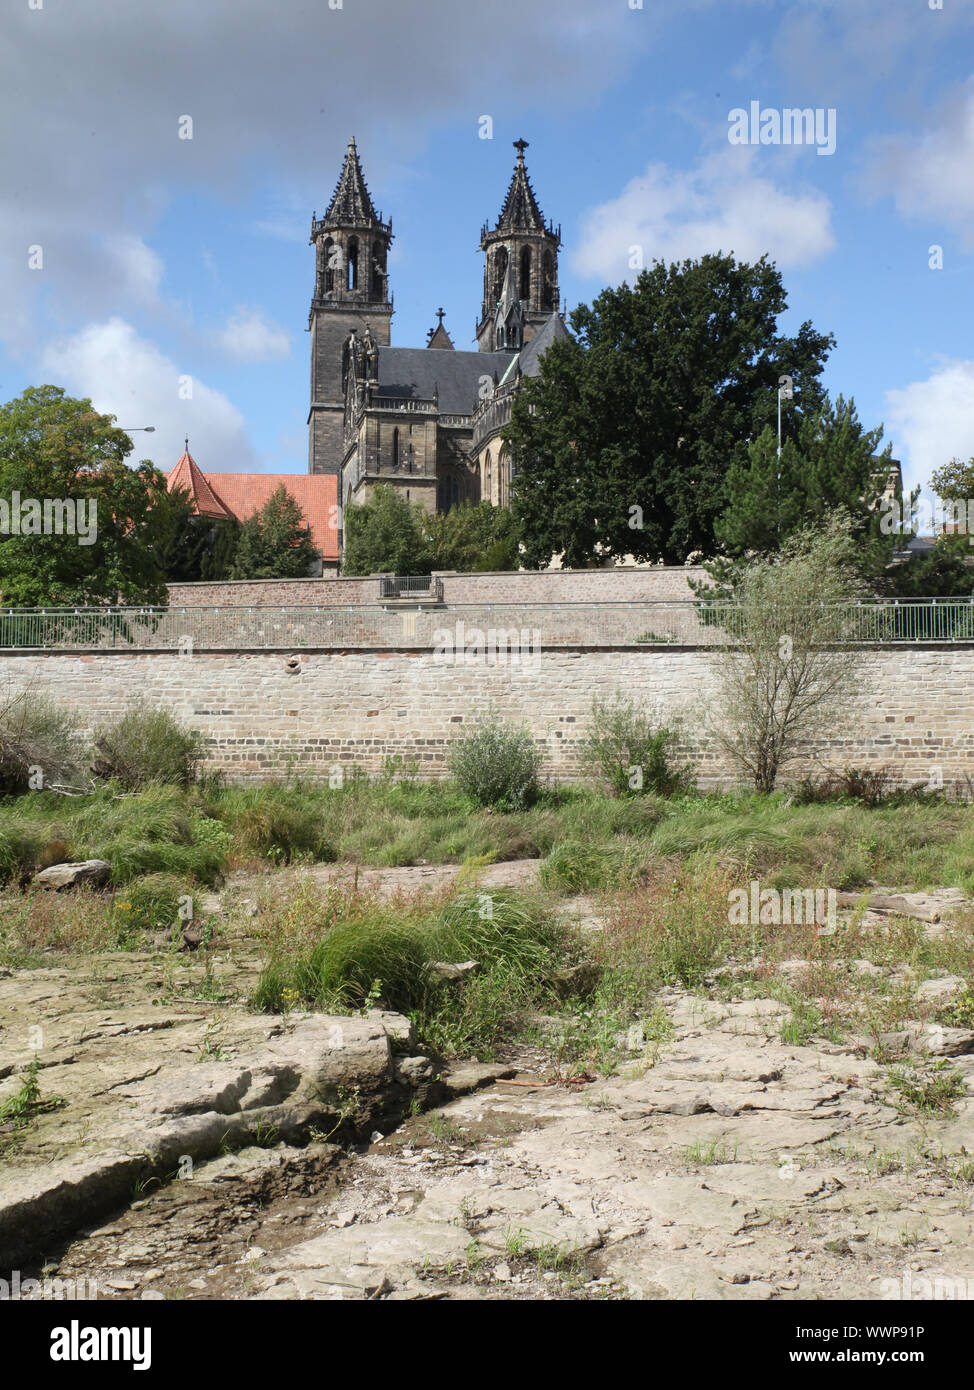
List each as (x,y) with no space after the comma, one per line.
(341,708)
(412,418)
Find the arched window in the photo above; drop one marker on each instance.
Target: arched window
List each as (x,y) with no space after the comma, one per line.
(501,336)
(328,259)
(488,478)
(395,447)
(526,273)
(548,291)
(352,281)
(500,270)
(502,488)
(378,272)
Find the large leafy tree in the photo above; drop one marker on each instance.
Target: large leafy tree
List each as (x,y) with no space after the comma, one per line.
(624,441)
(58,450)
(385,533)
(275,542)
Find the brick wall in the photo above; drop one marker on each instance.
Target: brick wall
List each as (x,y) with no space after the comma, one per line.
(912,707)
(521,586)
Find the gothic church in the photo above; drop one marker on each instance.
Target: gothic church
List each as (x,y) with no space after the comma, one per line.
(425,420)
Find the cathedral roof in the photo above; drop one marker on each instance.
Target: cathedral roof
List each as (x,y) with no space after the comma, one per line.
(528,360)
(520,212)
(438,337)
(351,203)
(453,377)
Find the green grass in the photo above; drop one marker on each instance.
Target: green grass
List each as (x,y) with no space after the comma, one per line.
(334,950)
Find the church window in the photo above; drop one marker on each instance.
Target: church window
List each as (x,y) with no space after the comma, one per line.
(500,269)
(352,282)
(526,273)
(395,448)
(548,293)
(328,259)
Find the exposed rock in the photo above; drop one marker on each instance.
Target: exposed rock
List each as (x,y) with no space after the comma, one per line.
(94,872)
(454,973)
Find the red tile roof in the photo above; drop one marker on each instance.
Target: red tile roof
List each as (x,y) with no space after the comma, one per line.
(242,494)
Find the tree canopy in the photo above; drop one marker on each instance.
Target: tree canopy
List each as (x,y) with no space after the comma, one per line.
(274,543)
(80,524)
(624,441)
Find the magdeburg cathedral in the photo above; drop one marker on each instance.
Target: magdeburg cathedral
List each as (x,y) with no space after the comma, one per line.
(425,420)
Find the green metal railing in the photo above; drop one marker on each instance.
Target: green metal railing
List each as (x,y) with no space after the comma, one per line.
(538,625)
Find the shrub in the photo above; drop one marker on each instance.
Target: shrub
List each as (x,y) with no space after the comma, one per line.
(573,867)
(37,739)
(148,904)
(498,764)
(147,745)
(631,752)
(278,823)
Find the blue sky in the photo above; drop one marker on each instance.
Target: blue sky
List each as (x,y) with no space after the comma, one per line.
(174,266)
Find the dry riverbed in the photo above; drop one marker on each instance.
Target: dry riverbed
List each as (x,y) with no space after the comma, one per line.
(196,1150)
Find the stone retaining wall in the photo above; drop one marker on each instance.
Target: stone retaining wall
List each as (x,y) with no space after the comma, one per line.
(914,707)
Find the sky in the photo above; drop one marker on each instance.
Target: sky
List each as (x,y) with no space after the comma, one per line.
(162,160)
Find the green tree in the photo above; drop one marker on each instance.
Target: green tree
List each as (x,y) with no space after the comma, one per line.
(624,440)
(830,463)
(275,542)
(59,451)
(183,537)
(955,481)
(474,536)
(386,533)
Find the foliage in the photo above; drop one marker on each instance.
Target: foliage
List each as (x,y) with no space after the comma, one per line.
(39,744)
(498,764)
(274,543)
(147,745)
(55,448)
(829,462)
(649,406)
(190,547)
(385,534)
(472,537)
(788,670)
(631,752)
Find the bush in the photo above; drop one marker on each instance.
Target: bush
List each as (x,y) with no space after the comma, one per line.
(277,823)
(146,745)
(572,867)
(498,764)
(39,744)
(631,752)
(149,904)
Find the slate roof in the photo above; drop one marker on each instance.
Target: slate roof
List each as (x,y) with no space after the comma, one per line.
(418,373)
(240,495)
(527,362)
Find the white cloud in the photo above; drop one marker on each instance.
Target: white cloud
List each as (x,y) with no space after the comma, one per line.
(934,419)
(930,175)
(127,376)
(719,206)
(249,337)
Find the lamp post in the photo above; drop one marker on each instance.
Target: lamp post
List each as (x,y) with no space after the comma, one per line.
(138,429)
(786,392)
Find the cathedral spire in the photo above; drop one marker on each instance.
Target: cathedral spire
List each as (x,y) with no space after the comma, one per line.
(351,203)
(520,212)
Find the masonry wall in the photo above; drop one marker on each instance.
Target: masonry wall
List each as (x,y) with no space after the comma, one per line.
(623,585)
(914,708)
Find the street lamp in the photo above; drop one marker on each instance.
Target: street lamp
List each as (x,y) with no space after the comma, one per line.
(786,392)
(138,429)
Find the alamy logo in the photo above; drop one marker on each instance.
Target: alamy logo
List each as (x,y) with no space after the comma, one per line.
(54,516)
(493,646)
(15,1289)
(789,907)
(793,125)
(77,1343)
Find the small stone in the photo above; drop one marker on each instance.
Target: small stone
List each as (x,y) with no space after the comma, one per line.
(502,1272)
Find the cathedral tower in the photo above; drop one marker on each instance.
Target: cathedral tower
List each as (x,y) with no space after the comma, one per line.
(351,292)
(520,267)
